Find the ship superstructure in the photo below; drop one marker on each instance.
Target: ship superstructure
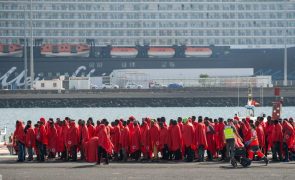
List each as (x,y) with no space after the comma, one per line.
(114,34)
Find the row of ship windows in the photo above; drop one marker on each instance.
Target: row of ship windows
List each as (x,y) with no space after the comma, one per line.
(240,6)
(151,32)
(150,15)
(170,41)
(151,24)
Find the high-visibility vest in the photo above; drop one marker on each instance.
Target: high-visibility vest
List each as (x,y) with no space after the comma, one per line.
(228,132)
(255,141)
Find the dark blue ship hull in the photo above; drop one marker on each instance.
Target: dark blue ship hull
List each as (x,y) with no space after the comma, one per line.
(264,62)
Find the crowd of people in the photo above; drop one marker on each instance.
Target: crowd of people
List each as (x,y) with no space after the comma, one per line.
(188,139)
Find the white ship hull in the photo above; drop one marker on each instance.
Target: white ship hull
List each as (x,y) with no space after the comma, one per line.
(122,54)
(78,54)
(12,54)
(158,54)
(198,54)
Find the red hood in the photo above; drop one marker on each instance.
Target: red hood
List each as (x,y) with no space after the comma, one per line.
(42,119)
(72,124)
(131,118)
(19,132)
(248,119)
(20,124)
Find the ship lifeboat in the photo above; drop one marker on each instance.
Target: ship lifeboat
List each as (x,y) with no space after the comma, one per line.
(65,50)
(124,52)
(161,52)
(198,52)
(11,50)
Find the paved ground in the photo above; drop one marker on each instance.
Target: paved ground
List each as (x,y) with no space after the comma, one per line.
(146,171)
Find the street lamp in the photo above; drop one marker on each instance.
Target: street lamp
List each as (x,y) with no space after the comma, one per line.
(285,61)
(25,49)
(32,46)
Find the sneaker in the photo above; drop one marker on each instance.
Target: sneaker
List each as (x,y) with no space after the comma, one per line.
(107,161)
(266,161)
(234,163)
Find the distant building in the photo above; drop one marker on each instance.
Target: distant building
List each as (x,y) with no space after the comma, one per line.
(188,77)
(209,77)
(79,83)
(54,84)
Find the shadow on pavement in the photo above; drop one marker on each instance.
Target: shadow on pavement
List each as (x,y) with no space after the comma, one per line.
(230,167)
(86,166)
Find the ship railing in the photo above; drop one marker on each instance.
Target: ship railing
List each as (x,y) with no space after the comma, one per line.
(209,82)
(281,83)
(228,82)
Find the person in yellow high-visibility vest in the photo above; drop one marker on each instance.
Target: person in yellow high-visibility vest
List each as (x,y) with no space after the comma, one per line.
(230,133)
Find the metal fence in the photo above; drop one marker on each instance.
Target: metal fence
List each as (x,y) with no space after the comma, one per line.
(235,82)
(224,82)
(281,83)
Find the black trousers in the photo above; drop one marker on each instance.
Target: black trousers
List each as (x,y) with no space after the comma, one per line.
(292,155)
(64,154)
(223,153)
(74,152)
(116,156)
(177,154)
(277,151)
(201,152)
(82,152)
(42,151)
(120,158)
(286,151)
(102,154)
(266,145)
(171,155)
(210,155)
(165,152)
(189,154)
(136,155)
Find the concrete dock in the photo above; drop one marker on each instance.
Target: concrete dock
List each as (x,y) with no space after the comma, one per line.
(9,169)
(184,97)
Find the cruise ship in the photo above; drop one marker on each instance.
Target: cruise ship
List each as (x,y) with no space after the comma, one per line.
(94,37)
